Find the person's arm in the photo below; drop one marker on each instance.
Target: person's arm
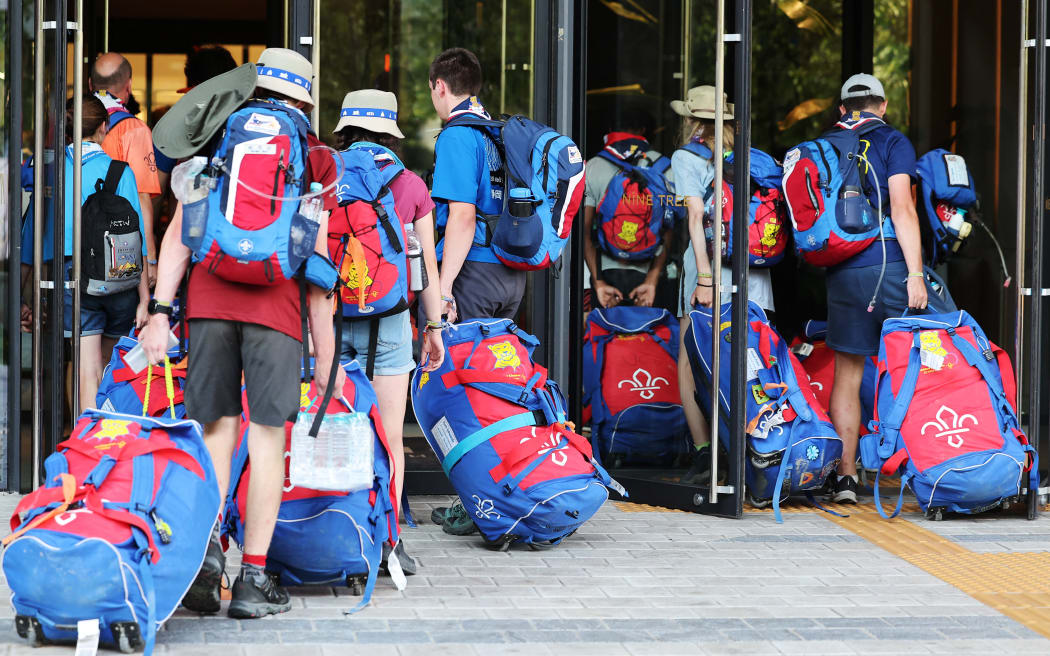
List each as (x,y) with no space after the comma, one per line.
(703,292)
(171,267)
(605,294)
(645,293)
(459,237)
(322,328)
(433,349)
(147,236)
(906,225)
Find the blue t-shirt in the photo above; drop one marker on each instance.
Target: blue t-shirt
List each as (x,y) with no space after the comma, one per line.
(95,166)
(889,153)
(468,169)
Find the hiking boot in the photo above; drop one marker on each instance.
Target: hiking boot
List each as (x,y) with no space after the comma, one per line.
(408,563)
(845,490)
(203,595)
(700,470)
(455,520)
(256,595)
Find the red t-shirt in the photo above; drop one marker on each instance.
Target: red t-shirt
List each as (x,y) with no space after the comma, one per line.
(274,306)
(411,197)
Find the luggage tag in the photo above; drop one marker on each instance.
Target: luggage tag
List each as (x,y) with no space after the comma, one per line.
(754,364)
(397,575)
(87,637)
(931,351)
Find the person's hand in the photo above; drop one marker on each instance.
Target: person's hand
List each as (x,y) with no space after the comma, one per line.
(151,274)
(26,318)
(702,296)
(608,296)
(917,298)
(154,338)
(433,352)
(141,315)
(644,294)
(321,377)
(448,307)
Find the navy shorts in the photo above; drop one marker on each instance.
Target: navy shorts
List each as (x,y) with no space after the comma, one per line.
(851,328)
(109,316)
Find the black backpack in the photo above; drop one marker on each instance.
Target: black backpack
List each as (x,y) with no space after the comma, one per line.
(111,244)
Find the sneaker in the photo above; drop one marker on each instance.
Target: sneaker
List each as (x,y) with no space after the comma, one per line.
(700,469)
(845,490)
(408,563)
(256,595)
(203,595)
(455,520)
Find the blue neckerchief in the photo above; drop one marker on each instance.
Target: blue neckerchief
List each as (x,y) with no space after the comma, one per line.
(379,152)
(469,106)
(89,149)
(626,146)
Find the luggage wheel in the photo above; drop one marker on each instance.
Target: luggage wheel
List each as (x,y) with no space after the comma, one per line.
(29,628)
(501,543)
(127,636)
(758,503)
(356,585)
(935,514)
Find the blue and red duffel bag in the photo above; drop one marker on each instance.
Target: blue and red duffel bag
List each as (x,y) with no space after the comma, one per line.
(325,537)
(118,533)
(945,416)
(498,426)
(630,385)
(144,392)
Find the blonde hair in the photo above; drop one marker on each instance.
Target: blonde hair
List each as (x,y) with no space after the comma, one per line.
(704,130)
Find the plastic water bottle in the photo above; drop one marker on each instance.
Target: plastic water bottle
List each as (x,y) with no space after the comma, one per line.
(417,272)
(340,457)
(313,204)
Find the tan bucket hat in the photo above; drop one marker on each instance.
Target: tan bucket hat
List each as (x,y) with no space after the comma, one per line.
(286,72)
(700,103)
(370,109)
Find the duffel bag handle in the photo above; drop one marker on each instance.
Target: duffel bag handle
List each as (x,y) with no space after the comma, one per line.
(169,387)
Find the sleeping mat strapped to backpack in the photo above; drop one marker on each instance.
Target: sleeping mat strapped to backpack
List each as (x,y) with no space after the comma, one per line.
(791,444)
(945,416)
(118,533)
(325,537)
(498,426)
(630,385)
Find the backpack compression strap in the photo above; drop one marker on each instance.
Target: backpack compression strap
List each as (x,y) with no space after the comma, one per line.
(113,176)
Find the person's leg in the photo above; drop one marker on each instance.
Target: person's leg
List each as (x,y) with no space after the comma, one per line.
(392,392)
(90,370)
(700,466)
(845,407)
(265,487)
(220,438)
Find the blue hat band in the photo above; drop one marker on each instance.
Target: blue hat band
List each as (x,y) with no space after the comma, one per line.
(369,112)
(287,76)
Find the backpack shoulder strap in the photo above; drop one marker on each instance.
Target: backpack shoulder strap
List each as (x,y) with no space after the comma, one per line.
(113,175)
(698,149)
(117,117)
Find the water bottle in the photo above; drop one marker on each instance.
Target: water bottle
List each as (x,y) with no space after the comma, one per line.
(521,202)
(417,272)
(312,205)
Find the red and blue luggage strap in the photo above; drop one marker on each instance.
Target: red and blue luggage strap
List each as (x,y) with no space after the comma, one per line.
(981,360)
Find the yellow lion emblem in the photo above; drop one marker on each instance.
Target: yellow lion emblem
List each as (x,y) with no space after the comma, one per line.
(505,355)
(109,433)
(931,342)
(769,234)
(424,379)
(304,396)
(628,232)
(349,275)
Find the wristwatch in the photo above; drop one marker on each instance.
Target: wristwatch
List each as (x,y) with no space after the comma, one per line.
(156,307)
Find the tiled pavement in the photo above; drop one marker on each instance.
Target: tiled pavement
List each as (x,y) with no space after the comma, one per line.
(640,583)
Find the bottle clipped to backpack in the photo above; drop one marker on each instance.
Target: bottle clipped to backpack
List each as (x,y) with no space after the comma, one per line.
(414,250)
(304,236)
(191,185)
(339,459)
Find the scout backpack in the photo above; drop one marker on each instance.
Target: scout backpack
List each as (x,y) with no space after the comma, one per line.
(826,191)
(366,239)
(325,537)
(543,174)
(497,425)
(248,228)
(111,244)
(946,416)
(630,384)
(636,208)
(118,532)
(791,443)
(767,232)
(153,391)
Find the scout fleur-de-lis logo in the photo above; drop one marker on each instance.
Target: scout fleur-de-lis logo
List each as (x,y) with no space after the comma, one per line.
(505,355)
(628,232)
(949,425)
(484,508)
(643,383)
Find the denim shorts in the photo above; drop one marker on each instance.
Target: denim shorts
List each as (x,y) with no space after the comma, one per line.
(393,354)
(851,328)
(110,316)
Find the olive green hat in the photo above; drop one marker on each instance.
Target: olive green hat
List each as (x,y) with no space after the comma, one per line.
(191,122)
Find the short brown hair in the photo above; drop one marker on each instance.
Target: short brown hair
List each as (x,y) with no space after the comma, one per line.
(92,115)
(862,103)
(352,134)
(460,69)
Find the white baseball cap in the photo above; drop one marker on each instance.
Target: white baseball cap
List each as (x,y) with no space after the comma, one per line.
(862,84)
(371,109)
(286,72)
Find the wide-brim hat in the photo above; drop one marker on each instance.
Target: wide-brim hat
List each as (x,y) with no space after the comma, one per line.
(286,72)
(191,122)
(700,103)
(370,109)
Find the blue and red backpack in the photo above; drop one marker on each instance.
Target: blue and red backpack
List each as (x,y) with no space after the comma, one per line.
(946,416)
(792,446)
(827,191)
(638,205)
(366,239)
(146,392)
(325,537)
(767,231)
(498,426)
(248,229)
(549,166)
(117,533)
(630,385)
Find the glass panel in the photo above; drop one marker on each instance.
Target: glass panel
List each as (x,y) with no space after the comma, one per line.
(893,59)
(6,158)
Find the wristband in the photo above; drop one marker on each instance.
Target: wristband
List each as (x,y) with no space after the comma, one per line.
(703,275)
(433,325)
(913,274)
(448,299)
(700,284)
(149,261)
